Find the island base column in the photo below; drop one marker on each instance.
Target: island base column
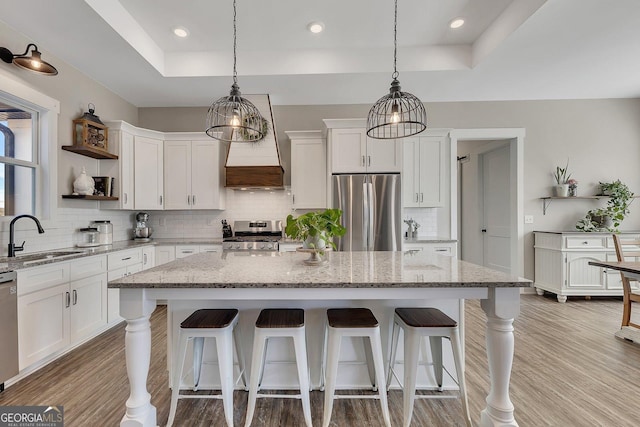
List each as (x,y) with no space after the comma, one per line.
(501,308)
(136,309)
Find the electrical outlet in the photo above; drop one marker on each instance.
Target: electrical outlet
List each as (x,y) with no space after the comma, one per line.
(528,219)
(162,222)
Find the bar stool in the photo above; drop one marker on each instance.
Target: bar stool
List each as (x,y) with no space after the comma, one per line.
(209,323)
(425,322)
(352,322)
(271,323)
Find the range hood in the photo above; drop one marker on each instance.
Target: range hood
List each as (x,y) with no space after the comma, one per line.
(256,165)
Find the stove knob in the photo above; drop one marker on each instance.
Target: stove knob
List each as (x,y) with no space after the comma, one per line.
(237,247)
(263,246)
(269,246)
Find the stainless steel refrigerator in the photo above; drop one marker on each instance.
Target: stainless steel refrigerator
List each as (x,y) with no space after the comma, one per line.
(371,211)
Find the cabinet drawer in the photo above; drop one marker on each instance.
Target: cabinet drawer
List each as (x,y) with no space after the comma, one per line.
(118,273)
(86,267)
(585,242)
(124,258)
(210,248)
(186,250)
(37,278)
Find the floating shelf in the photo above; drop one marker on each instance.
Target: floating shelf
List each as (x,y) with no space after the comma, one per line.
(546,201)
(84,197)
(95,153)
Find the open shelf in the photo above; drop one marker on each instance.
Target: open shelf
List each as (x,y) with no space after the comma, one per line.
(85,197)
(95,153)
(546,201)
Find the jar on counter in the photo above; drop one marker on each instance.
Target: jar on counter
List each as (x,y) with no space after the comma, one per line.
(105,232)
(90,237)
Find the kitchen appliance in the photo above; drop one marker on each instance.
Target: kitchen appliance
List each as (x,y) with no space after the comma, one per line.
(105,231)
(89,237)
(255,235)
(8,327)
(142,230)
(371,211)
(226,230)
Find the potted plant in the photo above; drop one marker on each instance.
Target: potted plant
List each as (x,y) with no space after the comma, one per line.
(561,175)
(316,229)
(610,217)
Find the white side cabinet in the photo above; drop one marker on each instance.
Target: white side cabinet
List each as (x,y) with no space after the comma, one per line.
(193,173)
(562,264)
(423,170)
(351,151)
(148,173)
(308,169)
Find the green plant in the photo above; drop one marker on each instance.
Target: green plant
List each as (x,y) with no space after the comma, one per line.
(322,225)
(562,175)
(620,197)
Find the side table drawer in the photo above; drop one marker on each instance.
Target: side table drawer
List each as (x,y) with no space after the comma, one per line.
(585,242)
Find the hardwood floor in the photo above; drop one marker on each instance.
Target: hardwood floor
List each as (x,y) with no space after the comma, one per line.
(569,370)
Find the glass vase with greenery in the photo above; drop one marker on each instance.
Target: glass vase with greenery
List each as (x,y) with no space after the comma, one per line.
(316,229)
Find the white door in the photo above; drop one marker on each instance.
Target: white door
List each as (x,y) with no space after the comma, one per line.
(430,155)
(177,174)
(308,173)
(348,151)
(384,155)
(410,173)
(148,173)
(205,175)
(496,201)
(126,171)
(88,306)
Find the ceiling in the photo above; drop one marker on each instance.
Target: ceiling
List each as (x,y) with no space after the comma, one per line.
(507,49)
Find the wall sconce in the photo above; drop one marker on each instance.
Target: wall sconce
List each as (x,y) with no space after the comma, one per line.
(32,63)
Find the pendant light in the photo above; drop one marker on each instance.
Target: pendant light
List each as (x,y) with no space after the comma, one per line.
(398,114)
(233,118)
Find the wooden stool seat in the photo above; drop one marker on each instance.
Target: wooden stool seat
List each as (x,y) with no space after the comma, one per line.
(280,318)
(209,319)
(351,318)
(425,318)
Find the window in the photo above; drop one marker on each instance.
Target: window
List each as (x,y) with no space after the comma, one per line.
(18,158)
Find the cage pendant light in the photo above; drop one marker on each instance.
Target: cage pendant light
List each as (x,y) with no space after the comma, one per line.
(398,114)
(234,118)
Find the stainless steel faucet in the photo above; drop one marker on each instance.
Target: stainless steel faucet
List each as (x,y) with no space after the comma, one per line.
(12,247)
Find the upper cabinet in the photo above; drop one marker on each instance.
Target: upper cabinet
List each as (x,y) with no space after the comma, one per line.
(121,144)
(423,181)
(148,173)
(351,151)
(193,173)
(308,169)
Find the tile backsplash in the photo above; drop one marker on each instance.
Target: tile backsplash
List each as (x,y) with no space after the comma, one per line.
(62,231)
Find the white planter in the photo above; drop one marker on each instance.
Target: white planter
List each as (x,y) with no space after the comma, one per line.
(561,190)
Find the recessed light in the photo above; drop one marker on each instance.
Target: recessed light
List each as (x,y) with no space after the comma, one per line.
(456,23)
(315,27)
(181,32)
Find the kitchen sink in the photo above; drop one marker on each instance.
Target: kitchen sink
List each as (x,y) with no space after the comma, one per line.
(41,256)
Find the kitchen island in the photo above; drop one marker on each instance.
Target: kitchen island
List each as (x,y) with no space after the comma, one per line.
(347,276)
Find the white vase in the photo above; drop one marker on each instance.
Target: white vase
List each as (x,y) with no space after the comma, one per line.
(83,184)
(561,190)
(314,242)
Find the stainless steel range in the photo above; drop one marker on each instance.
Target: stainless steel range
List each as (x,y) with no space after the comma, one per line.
(256,235)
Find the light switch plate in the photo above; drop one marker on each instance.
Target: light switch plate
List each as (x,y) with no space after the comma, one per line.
(528,219)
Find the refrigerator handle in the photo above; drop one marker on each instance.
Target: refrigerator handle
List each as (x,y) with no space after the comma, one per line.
(371,222)
(366,217)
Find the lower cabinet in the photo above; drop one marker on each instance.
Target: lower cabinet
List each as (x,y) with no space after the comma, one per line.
(122,263)
(164,254)
(88,306)
(442,248)
(562,264)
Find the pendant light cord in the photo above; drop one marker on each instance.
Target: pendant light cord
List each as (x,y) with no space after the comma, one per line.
(235,73)
(395,42)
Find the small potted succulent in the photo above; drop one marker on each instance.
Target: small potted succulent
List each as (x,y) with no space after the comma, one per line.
(316,229)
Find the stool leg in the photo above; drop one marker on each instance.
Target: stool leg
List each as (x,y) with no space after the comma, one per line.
(376,349)
(303,374)
(264,361)
(370,363)
(237,340)
(393,350)
(411,356)
(177,376)
(224,344)
(256,373)
(333,353)
(436,354)
(198,349)
(323,359)
(457,358)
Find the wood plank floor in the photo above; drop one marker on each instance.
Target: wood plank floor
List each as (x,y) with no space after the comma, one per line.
(569,370)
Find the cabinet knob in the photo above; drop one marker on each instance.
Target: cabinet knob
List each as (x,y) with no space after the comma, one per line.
(585,243)
(363,164)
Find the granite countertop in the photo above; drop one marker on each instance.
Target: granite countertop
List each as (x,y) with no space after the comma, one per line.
(343,269)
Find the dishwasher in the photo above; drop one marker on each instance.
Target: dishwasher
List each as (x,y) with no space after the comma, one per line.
(8,327)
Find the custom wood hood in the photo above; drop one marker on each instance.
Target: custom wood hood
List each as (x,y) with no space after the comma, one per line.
(256,165)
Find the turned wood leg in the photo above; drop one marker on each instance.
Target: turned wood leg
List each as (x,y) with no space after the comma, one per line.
(136,309)
(540,291)
(562,298)
(501,308)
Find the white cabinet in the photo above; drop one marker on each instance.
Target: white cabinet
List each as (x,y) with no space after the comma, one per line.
(165,254)
(59,305)
(192,171)
(439,247)
(120,264)
(423,183)
(308,169)
(183,251)
(148,257)
(562,264)
(121,144)
(351,151)
(288,246)
(148,173)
